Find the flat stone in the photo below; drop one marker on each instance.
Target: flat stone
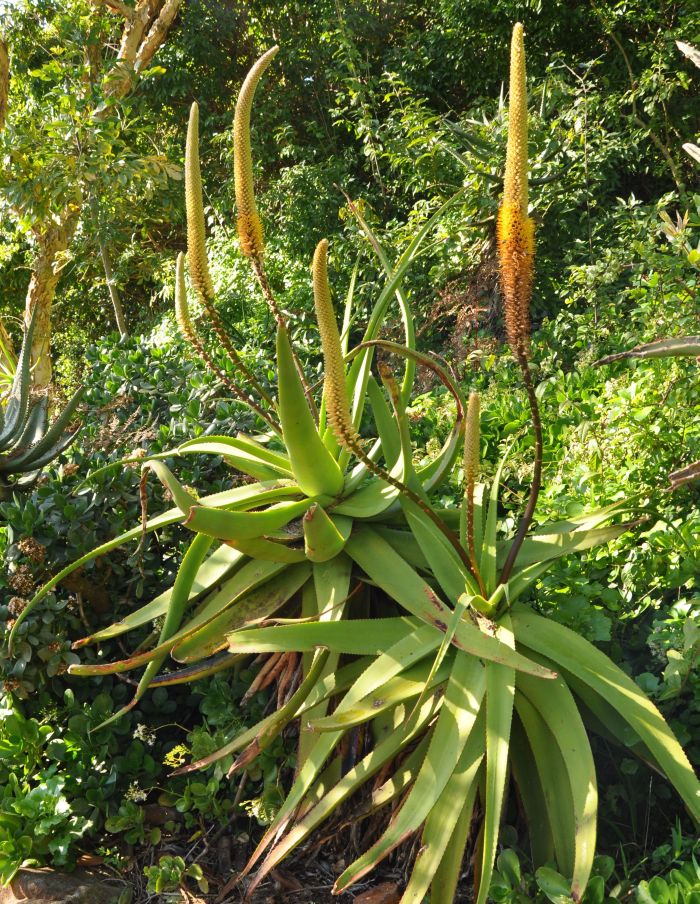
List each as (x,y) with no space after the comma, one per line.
(46,886)
(386,893)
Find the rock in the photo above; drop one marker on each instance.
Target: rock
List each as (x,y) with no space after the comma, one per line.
(386,893)
(46,886)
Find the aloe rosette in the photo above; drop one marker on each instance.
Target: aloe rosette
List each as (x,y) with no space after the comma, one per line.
(27,441)
(400,620)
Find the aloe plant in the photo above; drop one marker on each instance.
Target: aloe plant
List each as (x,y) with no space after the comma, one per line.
(457,686)
(27,441)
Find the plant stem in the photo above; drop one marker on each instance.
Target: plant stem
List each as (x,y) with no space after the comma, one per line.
(536,477)
(261,277)
(113,291)
(240,394)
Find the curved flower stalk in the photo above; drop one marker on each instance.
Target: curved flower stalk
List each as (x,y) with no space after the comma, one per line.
(187,328)
(250,231)
(334,386)
(336,399)
(194,203)
(451,682)
(199,267)
(248,222)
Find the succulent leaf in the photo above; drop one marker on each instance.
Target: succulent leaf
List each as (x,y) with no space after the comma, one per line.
(315,470)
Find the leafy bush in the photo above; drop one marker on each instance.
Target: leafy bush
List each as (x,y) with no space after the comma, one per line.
(680,885)
(170,874)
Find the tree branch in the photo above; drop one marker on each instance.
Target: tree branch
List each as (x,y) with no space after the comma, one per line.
(116,6)
(157,33)
(4,81)
(134,30)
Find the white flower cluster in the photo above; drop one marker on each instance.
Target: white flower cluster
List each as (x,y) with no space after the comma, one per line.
(133,792)
(143,733)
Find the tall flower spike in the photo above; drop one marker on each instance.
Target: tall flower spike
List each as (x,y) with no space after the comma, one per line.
(187,328)
(337,408)
(515,231)
(197,256)
(182,313)
(336,396)
(250,230)
(196,247)
(471,442)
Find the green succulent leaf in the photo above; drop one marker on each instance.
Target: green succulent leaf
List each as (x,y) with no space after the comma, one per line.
(389,571)
(500,694)
(568,650)
(457,719)
(314,468)
(360,637)
(259,603)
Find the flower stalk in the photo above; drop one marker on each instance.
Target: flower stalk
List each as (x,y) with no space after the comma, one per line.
(250,231)
(515,233)
(188,331)
(249,224)
(471,472)
(198,263)
(334,389)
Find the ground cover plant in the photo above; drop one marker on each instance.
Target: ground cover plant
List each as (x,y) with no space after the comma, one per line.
(464,684)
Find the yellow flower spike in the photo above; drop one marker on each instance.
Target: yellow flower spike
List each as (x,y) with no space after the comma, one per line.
(337,407)
(250,230)
(182,314)
(471,442)
(515,231)
(199,270)
(515,182)
(196,236)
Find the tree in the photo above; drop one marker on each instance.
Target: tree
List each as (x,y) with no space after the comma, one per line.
(66,143)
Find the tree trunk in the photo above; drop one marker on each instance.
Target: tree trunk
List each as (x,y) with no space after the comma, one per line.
(113,291)
(145,28)
(50,244)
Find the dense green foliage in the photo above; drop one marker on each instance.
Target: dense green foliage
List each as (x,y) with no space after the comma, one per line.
(399,105)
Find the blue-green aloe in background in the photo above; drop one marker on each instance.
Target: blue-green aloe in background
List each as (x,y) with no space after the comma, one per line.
(27,440)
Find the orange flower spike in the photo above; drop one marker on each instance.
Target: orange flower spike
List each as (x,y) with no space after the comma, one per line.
(515,231)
